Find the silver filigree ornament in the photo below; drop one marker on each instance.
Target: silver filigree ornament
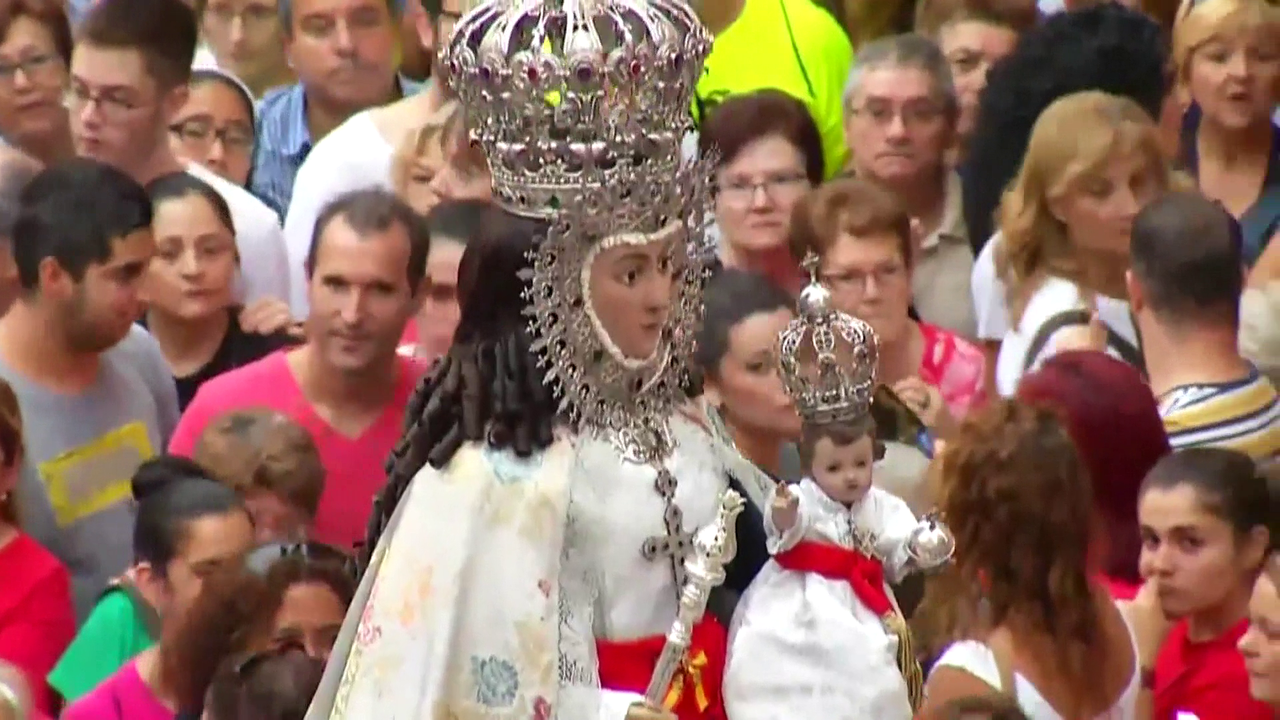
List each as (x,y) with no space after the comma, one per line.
(629,401)
(562,94)
(828,359)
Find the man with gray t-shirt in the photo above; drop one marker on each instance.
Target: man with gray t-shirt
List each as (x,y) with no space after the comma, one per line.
(95,396)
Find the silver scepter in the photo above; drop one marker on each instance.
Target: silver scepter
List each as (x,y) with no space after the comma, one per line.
(713,547)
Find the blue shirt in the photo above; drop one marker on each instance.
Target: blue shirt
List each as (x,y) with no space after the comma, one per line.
(284,141)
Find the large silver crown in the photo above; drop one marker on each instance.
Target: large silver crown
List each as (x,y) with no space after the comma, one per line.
(828,359)
(557,88)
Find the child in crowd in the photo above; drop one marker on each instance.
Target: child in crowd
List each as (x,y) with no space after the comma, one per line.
(819,632)
(273,464)
(125,621)
(189,529)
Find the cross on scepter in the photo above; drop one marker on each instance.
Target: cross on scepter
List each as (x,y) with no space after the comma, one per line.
(810,265)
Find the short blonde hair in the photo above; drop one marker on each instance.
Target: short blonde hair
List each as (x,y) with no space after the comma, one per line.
(263,450)
(426,143)
(1260,328)
(1204,21)
(1073,138)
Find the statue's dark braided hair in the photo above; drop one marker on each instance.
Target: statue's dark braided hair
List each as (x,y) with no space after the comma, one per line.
(488,387)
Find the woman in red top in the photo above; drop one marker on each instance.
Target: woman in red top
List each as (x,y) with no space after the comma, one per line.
(1204,515)
(1115,424)
(863,239)
(37,621)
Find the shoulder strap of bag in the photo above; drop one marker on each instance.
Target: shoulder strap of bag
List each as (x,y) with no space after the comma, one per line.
(1003,654)
(1073,317)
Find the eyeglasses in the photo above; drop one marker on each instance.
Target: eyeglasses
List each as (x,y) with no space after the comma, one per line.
(261,559)
(114,108)
(203,133)
(32,67)
(914,114)
(854,282)
(742,192)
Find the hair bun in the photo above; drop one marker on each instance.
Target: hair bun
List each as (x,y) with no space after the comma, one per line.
(163,471)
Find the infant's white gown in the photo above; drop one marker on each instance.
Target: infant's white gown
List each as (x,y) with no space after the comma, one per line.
(805,646)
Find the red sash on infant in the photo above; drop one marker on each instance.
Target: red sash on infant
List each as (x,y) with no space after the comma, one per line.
(865,576)
(695,690)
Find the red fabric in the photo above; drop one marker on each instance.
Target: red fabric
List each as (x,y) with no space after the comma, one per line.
(37,620)
(353,465)
(1205,679)
(864,574)
(1120,589)
(627,666)
(956,367)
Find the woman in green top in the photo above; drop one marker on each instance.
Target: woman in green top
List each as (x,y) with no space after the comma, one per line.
(183,531)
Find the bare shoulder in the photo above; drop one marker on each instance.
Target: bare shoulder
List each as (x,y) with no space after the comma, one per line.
(947,684)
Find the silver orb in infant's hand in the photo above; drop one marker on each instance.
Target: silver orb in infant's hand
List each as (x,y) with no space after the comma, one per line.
(931,543)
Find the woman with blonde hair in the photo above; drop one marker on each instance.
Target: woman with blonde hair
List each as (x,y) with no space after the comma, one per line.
(1093,161)
(1227,59)
(436,164)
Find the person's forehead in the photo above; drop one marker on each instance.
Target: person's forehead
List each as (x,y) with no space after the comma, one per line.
(25,32)
(109,67)
(896,82)
(302,8)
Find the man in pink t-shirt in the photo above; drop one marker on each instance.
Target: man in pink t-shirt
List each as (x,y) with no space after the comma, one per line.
(346,385)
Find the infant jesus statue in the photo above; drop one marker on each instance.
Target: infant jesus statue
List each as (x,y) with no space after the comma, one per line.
(818,634)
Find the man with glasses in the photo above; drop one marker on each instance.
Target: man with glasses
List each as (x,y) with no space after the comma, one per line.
(129,74)
(358,153)
(900,121)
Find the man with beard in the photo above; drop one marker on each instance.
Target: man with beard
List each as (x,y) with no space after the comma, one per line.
(96,400)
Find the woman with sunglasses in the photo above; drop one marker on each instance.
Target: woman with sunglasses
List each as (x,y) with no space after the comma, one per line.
(308,588)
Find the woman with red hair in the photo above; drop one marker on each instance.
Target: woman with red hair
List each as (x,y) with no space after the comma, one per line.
(1114,422)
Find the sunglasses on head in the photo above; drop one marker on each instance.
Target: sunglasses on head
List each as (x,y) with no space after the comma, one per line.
(261,559)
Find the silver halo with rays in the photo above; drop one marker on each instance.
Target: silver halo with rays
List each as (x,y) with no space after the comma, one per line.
(628,401)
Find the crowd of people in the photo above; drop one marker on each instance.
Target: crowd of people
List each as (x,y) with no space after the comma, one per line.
(268,288)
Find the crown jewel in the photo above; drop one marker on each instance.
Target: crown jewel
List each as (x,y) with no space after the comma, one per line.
(562,91)
(828,359)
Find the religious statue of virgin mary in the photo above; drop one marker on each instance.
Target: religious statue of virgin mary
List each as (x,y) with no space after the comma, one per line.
(527,556)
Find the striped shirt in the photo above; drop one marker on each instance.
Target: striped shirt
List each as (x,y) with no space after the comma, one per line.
(284,141)
(1241,415)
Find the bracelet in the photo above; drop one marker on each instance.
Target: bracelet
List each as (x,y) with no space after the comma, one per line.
(9,697)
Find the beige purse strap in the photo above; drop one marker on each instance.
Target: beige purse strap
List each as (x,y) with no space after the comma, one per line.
(1002,650)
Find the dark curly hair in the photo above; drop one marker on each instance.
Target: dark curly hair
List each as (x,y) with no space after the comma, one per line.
(1107,47)
(1017,496)
(488,387)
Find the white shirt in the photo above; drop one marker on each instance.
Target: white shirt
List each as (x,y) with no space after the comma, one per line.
(354,156)
(979,661)
(264,266)
(1054,296)
(989,294)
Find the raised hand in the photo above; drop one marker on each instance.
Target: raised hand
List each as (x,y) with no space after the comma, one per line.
(785,509)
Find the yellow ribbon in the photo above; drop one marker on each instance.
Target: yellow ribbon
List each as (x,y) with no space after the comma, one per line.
(691,668)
